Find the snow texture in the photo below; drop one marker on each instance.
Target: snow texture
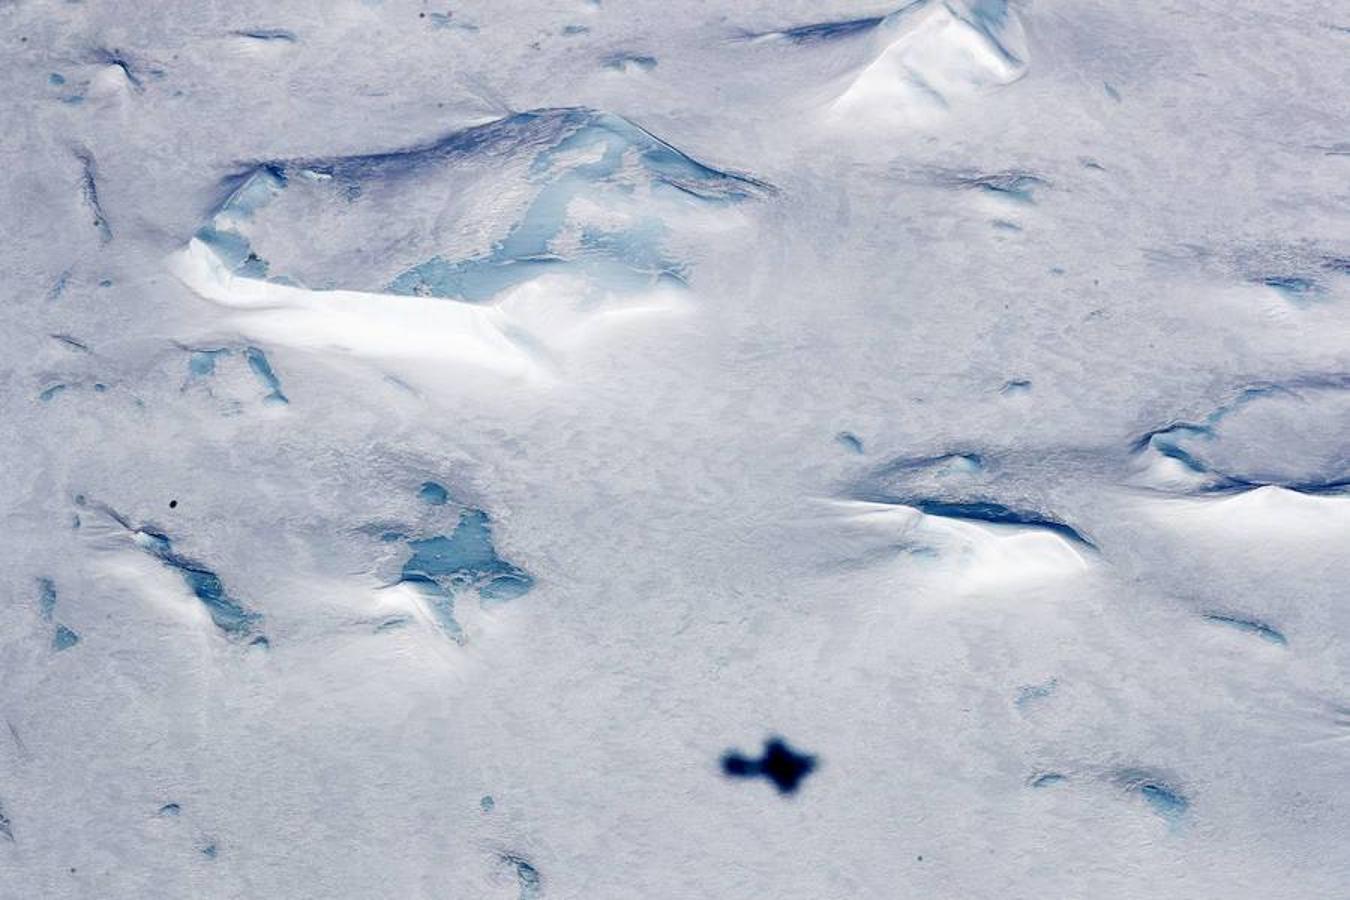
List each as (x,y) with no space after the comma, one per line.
(445,443)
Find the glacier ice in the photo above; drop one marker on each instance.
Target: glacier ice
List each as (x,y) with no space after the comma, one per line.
(445,444)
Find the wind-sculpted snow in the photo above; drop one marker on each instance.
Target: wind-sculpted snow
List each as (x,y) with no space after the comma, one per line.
(1251,626)
(1162,798)
(446,444)
(227,613)
(954,486)
(89,188)
(593,193)
(63,636)
(444,567)
(527,877)
(934,53)
(203,363)
(594,203)
(1293,434)
(821,31)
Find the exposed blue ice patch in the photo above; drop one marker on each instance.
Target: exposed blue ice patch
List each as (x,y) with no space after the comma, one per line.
(433,493)
(72,343)
(228,614)
(622,62)
(1165,801)
(6,827)
(487,804)
(1290,434)
(1015,386)
(997,514)
(1018,186)
(850,441)
(202,363)
(573,30)
(59,286)
(441,21)
(110,57)
(598,186)
(1249,625)
(1292,287)
(245,192)
(1046,779)
(56,78)
(822,31)
(46,598)
(392,623)
(257,361)
(1163,798)
(210,851)
(48,393)
(1166,441)
(234,251)
(64,638)
(989,17)
(467,558)
(89,188)
(444,567)
(1029,693)
(946,486)
(527,876)
(625,258)
(1111,91)
(267,35)
(944,463)
(170,809)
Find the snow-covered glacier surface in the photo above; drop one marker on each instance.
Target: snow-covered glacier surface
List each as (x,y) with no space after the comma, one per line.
(672,449)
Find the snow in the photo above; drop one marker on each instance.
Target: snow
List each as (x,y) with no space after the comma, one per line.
(438,438)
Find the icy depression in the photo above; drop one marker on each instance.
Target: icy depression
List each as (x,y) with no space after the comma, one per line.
(670,449)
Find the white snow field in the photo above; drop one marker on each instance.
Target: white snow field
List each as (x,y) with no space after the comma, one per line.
(675,449)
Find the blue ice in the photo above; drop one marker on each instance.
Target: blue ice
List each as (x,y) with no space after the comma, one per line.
(1292,287)
(850,441)
(997,514)
(1031,692)
(1019,186)
(826,31)
(526,876)
(441,567)
(257,361)
(203,362)
(46,598)
(621,257)
(623,61)
(64,638)
(1249,625)
(1164,799)
(228,614)
(268,35)
(433,493)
